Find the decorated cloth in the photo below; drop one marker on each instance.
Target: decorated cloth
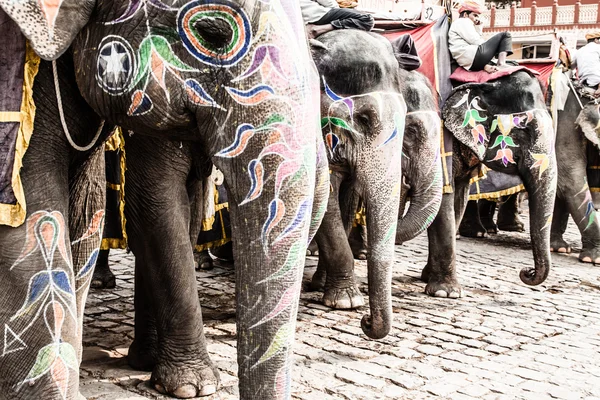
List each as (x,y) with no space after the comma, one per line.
(494,184)
(18,68)
(115,235)
(464,76)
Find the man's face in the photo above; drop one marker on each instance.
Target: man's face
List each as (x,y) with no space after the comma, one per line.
(475,18)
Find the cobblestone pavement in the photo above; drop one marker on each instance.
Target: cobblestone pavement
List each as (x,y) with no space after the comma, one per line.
(503,340)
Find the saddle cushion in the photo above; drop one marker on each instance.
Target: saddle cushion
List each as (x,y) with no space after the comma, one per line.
(464,76)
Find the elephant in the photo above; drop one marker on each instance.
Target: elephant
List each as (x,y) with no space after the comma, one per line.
(194,80)
(515,137)
(372,113)
(576,150)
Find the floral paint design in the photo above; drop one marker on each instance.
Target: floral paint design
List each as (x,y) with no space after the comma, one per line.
(474,119)
(588,205)
(51,296)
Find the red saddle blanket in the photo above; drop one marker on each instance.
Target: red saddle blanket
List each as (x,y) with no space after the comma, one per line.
(464,76)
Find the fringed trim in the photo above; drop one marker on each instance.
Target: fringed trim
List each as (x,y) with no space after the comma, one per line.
(14,214)
(447,189)
(216,243)
(595,190)
(109,243)
(360,218)
(495,195)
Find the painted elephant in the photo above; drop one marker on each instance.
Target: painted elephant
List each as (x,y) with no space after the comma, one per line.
(515,137)
(194,79)
(371,112)
(577,143)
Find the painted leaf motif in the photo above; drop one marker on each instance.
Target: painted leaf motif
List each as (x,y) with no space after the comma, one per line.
(302,213)
(591,220)
(89,265)
(290,262)
(163,48)
(509,141)
(140,104)
(462,101)
(467,118)
(38,287)
(243,134)
(288,297)
(133,7)
(253,96)
(324,122)
(330,93)
(45,357)
(339,123)
(61,280)
(281,341)
(475,104)
(498,141)
(494,125)
(197,94)
(69,355)
(283,383)
(60,376)
(256,171)
(276,213)
(475,115)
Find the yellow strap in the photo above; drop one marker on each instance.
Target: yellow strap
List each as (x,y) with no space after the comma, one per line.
(10,116)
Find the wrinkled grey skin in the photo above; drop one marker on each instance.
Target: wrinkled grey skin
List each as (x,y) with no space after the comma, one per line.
(525,94)
(573,195)
(169,140)
(354,64)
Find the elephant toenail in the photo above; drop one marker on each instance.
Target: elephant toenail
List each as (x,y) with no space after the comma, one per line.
(441,293)
(562,250)
(160,388)
(586,259)
(454,295)
(186,392)
(208,390)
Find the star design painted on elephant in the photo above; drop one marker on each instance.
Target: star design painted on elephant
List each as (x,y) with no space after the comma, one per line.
(112,63)
(115,65)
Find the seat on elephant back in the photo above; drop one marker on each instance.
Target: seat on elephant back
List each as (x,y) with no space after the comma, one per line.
(461,75)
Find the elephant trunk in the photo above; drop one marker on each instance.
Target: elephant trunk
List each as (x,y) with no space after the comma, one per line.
(382,214)
(422,174)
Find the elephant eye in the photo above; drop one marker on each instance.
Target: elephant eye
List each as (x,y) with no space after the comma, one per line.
(364,120)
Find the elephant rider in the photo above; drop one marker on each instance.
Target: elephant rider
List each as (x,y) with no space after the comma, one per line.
(467,45)
(323,16)
(587,61)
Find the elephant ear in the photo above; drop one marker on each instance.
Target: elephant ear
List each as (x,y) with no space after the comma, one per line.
(50,25)
(465,116)
(589,122)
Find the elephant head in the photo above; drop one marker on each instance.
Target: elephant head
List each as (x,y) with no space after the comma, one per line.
(589,122)
(507,127)
(364,114)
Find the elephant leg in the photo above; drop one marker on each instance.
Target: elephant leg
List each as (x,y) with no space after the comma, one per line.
(471,224)
(581,208)
(335,256)
(440,271)
(103,277)
(87,198)
(158,223)
(560,219)
(313,248)
(358,241)
(508,215)
(487,209)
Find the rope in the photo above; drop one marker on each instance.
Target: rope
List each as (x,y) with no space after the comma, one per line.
(62,116)
(575,93)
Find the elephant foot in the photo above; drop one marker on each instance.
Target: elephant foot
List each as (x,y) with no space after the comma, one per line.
(312,249)
(224,252)
(591,256)
(142,356)
(490,226)
(512,226)
(203,260)
(103,278)
(472,229)
(317,282)
(560,246)
(449,288)
(185,382)
(343,298)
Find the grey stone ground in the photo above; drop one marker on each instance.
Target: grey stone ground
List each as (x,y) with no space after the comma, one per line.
(502,341)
